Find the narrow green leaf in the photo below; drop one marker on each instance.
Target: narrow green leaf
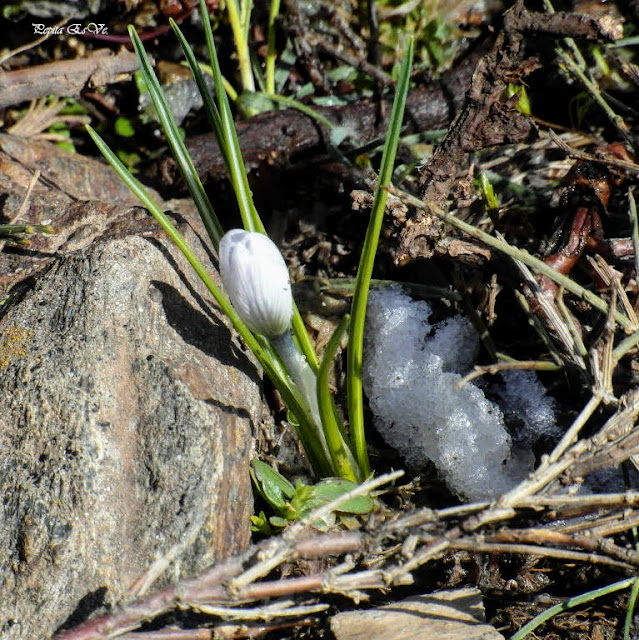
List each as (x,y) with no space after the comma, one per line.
(630,612)
(290,394)
(209,102)
(365,270)
(178,148)
(569,604)
(343,461)
(8,229)
(228,136)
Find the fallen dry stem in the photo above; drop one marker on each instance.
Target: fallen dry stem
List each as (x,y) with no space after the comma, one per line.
(573,432)
(427,535)
(64,77)
(510,365)
(630,167)
(522,255)
(402,544)
(280,609)
(533,550)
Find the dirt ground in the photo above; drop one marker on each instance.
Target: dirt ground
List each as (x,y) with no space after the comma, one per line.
(521,122)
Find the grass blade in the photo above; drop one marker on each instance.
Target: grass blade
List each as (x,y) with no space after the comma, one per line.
(209,103)
(365,270)
(569,604)
(630,612)
(227,135)
(239,178)
(173,137)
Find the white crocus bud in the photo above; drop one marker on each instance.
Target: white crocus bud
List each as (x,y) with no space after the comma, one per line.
(256,280)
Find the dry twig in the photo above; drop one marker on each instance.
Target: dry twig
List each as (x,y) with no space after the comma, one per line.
(65,77)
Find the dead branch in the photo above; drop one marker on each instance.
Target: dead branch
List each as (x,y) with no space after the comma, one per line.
(65,78)
(276,138)
(397,547)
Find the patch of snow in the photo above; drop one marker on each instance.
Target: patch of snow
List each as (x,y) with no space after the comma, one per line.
(410,375)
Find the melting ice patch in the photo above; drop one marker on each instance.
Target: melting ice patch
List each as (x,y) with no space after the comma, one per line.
(411,369)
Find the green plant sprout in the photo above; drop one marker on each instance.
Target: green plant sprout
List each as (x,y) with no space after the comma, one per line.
(292,502)
(523,103)
(487,192)
(272,326)
(239,14)
(575,602)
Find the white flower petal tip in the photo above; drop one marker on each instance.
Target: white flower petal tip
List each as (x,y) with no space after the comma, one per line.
(256,280)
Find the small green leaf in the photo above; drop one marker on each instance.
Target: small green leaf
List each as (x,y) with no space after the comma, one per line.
(260,524)
(273,486)
(66,145)
(331,488)
(124,127)
(130,159)
(277,523)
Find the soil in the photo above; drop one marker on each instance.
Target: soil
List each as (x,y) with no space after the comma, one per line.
(562,170)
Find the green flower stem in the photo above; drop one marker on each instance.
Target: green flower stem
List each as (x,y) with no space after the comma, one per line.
(304,340)
(301,107)
(307,430)
(221,120)
(299,371)
(239,27)
(365,270)
(341,455)
(274,10)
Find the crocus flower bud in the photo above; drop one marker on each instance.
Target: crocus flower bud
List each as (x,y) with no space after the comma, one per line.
(256,280)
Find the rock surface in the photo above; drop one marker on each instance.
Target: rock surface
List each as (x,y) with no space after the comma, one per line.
(446,615)
(127,412)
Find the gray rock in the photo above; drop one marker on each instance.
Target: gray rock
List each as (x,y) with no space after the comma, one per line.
(444,615)
(127,412)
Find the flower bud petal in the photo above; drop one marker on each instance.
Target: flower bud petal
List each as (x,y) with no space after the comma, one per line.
(256,280)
